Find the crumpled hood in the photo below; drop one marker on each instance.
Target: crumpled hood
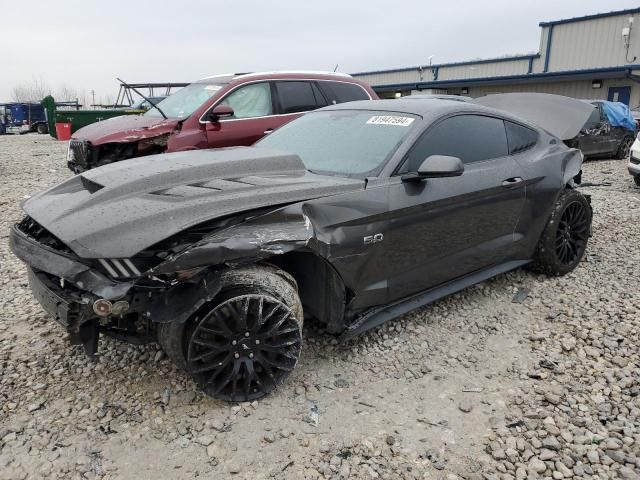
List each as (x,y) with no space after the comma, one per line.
(118,210)
(127,128)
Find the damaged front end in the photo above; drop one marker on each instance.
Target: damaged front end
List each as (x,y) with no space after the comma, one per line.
(84,297)
(82,155)
(169,282)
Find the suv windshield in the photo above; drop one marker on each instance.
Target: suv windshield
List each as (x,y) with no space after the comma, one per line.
(186,100)
(354,143)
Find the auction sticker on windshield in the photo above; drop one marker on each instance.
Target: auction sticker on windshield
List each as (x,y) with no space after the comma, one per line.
(390,120)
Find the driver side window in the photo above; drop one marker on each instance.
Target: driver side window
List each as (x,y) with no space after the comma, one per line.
(471,138)
(250,101)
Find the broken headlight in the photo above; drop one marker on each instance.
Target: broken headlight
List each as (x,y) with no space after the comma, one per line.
(148,143)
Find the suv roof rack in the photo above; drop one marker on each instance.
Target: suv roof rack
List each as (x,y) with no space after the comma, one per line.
(308,72)
(234,76)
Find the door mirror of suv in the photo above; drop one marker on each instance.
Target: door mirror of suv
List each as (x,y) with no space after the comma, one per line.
(436,166)
(218,112)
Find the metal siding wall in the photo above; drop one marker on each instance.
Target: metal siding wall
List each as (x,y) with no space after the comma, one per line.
(578,45)
(578,89)
(481,70)
(388,78)
(538,63)
(591,44)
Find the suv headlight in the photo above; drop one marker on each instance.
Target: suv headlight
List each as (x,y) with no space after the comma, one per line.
(71,156)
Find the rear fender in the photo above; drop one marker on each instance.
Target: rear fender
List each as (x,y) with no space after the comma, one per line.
(572,168)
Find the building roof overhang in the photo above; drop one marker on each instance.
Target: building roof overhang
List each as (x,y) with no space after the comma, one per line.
(569,75)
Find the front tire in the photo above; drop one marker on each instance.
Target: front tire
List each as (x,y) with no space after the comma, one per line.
(564,240)
(636,179)
(245,343)
(625,148)
(42,128)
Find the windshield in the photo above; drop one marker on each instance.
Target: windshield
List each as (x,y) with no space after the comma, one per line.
(354,143)
(185,101)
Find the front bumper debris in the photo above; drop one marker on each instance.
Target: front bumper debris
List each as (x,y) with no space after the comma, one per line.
(69,311)
(42,258)
(68,289)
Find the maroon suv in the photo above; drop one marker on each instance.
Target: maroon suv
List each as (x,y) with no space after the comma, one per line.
(219,111)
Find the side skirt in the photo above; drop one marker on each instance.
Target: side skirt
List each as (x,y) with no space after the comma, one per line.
(379,315)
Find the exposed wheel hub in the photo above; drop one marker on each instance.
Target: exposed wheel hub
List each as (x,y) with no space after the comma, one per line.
(244,347)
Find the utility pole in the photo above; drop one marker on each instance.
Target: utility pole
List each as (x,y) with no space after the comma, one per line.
(93,99)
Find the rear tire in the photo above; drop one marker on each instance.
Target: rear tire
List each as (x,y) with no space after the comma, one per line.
(245,343)
(636,179)
(625,148)
(564,240)
(42,128)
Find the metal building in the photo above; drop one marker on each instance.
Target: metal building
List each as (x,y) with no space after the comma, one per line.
(595,56)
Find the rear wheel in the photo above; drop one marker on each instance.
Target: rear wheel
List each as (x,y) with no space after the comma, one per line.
(247,341)
(42,128)
(565,237)
(625,148)
(637,180)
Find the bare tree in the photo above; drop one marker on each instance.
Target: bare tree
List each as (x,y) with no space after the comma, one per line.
(33,91)
(66,93)
(107,100)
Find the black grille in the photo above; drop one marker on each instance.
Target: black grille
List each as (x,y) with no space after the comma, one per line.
(81,152)
(34,230)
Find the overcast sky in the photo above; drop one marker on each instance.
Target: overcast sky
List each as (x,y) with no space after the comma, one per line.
(85,44)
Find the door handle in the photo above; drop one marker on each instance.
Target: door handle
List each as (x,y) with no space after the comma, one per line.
(510,182)
(268,131)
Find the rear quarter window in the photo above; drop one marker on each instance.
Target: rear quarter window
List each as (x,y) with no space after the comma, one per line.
(519,137)
(299,96)
(339,92)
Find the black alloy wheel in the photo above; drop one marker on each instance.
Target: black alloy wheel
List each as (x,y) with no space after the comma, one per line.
(625,148)
(244,347)
(572,233)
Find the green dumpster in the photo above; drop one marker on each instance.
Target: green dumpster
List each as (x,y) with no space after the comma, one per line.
(78,118)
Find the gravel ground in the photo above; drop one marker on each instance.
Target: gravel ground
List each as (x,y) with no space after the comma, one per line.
(476,386)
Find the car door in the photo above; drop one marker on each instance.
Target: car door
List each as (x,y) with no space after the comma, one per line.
(254,116)
(595,138)
(445,228)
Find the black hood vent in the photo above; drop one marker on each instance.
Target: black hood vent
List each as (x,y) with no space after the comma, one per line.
(90,185)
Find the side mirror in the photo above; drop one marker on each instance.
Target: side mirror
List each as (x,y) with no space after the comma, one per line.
(218,112)
(436,166)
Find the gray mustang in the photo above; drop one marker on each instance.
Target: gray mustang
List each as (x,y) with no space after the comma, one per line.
(353,214)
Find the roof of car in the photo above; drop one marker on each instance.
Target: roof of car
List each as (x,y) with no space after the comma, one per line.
(231,77)
(425,107)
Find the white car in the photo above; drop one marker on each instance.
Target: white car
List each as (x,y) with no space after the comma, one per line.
(634,162)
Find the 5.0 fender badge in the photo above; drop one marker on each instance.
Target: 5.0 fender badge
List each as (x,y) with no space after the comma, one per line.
(371,239)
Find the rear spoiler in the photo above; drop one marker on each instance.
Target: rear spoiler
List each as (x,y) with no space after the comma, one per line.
(561,116)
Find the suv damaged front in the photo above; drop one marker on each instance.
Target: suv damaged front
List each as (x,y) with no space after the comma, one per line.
(131,136)
(119,138)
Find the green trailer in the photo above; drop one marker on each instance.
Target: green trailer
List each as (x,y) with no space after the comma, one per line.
(78,118)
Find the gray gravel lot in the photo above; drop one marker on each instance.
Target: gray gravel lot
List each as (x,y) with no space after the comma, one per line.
(475,386)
